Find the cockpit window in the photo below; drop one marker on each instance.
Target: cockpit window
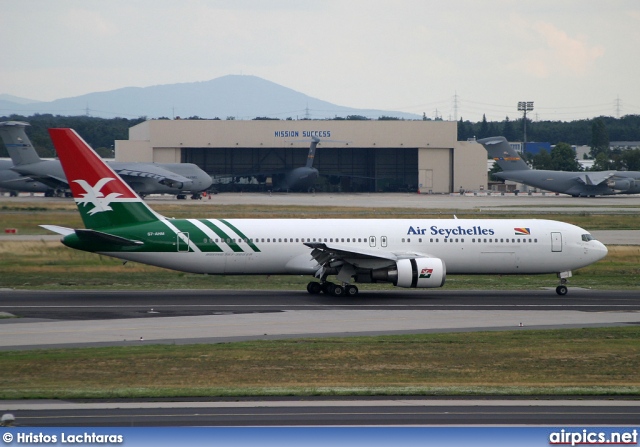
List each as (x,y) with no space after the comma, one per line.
(587,237)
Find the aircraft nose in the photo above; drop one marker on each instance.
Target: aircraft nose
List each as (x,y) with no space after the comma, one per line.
(206,181)
(599,250)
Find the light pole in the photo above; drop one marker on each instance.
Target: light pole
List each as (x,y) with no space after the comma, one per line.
(525,106)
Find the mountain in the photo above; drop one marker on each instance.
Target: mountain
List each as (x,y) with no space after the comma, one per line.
(238,96)
(16,99)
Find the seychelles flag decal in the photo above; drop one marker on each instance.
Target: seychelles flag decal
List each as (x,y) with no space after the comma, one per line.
(426,273)
(522,231)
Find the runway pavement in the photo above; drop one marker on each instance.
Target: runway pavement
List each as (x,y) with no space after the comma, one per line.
(478,201)
(377,411)
(178,317)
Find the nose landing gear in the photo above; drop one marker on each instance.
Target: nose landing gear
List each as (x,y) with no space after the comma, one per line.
(562,288)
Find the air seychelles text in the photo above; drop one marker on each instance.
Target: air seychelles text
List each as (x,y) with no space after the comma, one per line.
(434,230)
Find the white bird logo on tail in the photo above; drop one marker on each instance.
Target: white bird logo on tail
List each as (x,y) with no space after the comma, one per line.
(94,196)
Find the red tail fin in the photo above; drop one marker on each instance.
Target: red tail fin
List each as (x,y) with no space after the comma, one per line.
(81,163)
(103,198)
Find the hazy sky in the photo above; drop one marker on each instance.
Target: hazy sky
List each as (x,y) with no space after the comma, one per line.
(573,58)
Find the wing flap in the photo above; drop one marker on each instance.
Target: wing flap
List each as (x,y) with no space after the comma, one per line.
(323,254)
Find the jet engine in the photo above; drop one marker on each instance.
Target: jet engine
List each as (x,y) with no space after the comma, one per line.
(621,184)
(414,273)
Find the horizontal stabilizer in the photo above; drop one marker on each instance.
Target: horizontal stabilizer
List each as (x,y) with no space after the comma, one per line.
(99,236)
(58,229)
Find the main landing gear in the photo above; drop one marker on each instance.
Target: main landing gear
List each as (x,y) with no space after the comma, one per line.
(332,289)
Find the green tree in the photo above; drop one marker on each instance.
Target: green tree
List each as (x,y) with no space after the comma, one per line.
(601,163)
(508,131)
(542,160)
(599,138)
(495,169)
(631,159)
(483,131)
(563,158)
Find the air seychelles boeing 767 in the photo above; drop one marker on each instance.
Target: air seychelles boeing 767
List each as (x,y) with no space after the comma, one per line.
(406,253)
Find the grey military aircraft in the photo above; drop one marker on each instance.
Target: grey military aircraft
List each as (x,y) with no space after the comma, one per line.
(576,184)
(302,178)
(27,172)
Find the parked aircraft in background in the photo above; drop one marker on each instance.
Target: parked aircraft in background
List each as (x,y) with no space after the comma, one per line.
(415,253)
(29,173)
(13,182)
(302,178)
(576,184)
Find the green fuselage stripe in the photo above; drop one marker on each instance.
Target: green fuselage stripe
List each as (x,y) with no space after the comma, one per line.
(224,236)
(242,235)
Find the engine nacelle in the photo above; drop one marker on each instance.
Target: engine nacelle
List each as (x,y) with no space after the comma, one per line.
(621,185)
(419,272)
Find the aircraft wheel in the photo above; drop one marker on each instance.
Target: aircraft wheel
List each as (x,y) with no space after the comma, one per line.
(562,290)
(314,288)
(337,290)
(327,287)
(351,290)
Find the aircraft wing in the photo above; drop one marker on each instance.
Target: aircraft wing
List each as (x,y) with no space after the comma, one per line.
(595,178)
(324,253)
(163,176)
(52,181)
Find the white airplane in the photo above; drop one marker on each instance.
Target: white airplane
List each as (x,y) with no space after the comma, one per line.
(404,252)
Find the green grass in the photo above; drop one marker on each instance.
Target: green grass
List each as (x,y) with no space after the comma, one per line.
(26,218)
(602,361)
(50,265)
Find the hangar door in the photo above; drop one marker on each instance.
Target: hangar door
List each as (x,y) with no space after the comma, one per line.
(341,169)
(435,170)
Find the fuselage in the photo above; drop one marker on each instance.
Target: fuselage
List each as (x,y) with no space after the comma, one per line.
(567,182)
(12,181)
(276,246)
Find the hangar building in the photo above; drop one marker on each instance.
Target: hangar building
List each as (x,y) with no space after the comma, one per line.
(352,155)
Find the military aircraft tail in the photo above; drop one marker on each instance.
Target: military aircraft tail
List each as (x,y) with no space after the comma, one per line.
(103,198)
(506,156)
(312,151)
(17,142)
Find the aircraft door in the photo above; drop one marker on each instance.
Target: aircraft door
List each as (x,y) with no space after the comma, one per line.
(372,241)
(182,242)
(556,241)
(383,241)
